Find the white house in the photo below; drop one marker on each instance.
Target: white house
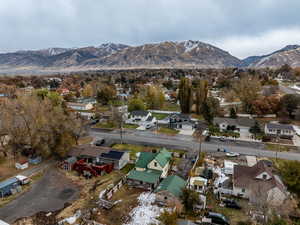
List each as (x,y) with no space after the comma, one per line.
(258,183)
(198,184)
(277,129)
(80,106)
(138,116)
(240,124)
(142,118)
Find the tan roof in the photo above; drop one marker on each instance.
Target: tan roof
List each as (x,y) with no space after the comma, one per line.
(245,177)
(88,150)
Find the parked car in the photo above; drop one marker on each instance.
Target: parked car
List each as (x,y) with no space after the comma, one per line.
(99,142)
(229,203)
(148,126)
(232,154)
(93,122)
(217,218)
(222,150)
(23,180)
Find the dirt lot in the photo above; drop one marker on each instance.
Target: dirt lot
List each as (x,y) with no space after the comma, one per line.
(120,213)
(50,193)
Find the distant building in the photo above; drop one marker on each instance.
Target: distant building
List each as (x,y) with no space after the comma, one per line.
(80,106)
(280,130)
(239,124)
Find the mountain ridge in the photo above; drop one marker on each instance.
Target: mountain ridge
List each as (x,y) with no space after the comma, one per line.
(167,54)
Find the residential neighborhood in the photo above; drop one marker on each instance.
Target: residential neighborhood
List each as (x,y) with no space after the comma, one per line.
(117,160)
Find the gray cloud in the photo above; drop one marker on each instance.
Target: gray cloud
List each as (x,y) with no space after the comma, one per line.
(241,27)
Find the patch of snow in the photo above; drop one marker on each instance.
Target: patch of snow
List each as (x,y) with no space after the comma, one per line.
(145,213)
(101,194)
(190,45)
(72,219)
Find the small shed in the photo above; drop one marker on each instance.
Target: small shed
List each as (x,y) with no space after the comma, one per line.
(68,163)
(118,158)
(7,186)
(22,165)
(228,167)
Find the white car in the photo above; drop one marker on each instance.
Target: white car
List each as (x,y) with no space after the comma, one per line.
(232,154)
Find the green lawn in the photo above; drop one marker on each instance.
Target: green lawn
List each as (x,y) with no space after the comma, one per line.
(133,149)
(277,147)
(106,125)
(159,116)
(169,106)
(164,130)
(130,126)
(127,168)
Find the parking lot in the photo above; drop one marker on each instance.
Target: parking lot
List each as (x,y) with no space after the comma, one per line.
(50,193)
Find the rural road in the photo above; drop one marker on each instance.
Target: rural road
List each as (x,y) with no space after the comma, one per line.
(189,144)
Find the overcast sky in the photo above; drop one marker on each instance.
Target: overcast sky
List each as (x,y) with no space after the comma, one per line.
(242,27)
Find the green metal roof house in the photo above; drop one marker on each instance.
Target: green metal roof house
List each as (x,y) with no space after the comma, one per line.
(156,161)
(149,169)
(170,190)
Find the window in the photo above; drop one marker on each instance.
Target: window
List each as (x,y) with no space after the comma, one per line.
(264,176)
(166,198)
(243,190)
(155,164)
(141,182)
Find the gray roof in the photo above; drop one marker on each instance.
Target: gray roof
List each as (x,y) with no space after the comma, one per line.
(279,126)
(150,118)
(243,121)
(180,116)
(139,113)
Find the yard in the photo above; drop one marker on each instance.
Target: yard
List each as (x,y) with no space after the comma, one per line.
(130,126)
(278,147)
(105,125)
(90,190)
(160,116)
(119,214)
(8,169)
(133,149)
(233,215)
(169,106)
(169,131)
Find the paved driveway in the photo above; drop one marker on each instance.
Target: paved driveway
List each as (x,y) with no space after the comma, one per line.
(48,194)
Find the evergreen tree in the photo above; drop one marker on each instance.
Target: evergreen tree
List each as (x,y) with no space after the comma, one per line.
(201,94)
(233,114)
(185,95)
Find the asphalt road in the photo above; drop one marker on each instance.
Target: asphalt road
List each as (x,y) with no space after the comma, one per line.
(189,144)
(287,90)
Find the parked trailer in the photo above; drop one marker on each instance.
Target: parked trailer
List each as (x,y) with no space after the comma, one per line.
(8,186)
(91,169)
